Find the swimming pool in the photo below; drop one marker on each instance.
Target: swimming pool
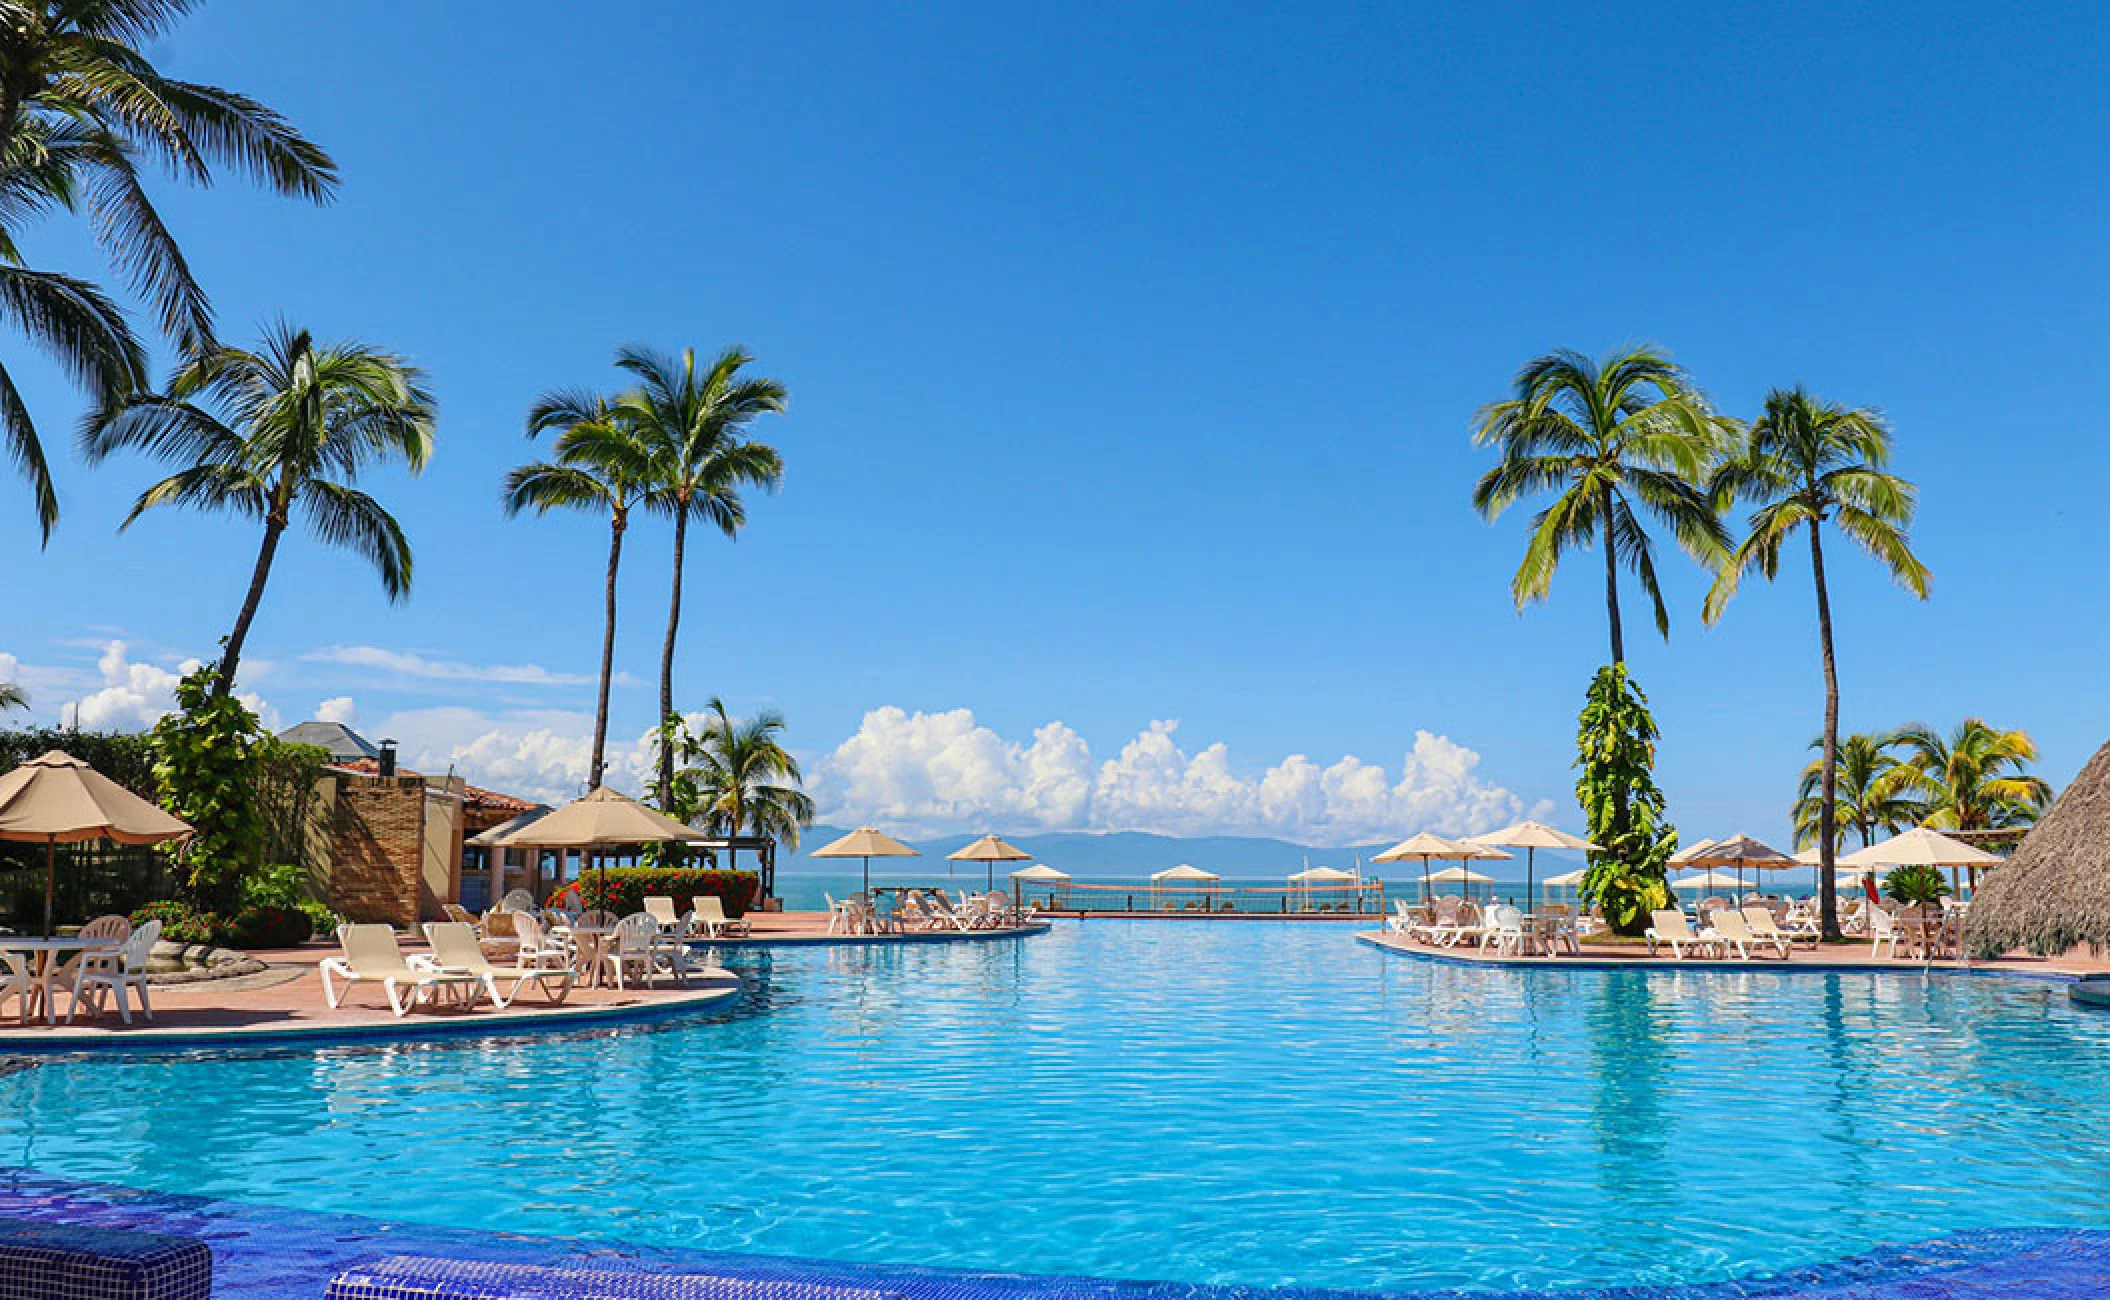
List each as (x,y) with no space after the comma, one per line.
(1251,1103)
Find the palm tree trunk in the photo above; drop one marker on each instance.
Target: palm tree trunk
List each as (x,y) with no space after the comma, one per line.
(666,656)
(1828,813)
(1611,577)
(600,713)
(231,657)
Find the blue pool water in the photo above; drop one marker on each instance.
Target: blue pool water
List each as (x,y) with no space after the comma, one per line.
(1254,1103)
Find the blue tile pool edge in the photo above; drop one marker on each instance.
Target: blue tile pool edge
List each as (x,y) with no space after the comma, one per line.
(1706,965)
(266,1252)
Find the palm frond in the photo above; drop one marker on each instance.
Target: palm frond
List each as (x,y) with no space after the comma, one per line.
(346,518)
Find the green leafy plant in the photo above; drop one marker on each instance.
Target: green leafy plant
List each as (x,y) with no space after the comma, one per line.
(205,758)
(271,926)
(625,888)
(1916,884)
(1616,751)
(182,923)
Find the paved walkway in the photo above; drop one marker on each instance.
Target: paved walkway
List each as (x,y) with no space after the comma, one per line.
(1843,956)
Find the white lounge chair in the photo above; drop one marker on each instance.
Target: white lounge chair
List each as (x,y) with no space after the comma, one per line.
(709,911)
(1767,930)
(1671,928)
(1736,932)
(116,971)
(455,951)
(660,907)
(369,955)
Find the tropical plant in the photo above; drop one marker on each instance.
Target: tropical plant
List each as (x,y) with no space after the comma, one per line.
(1973,779)
(747,780)
(296,424)
(12,697)
(81,105)
(205,762)
(694,424)
(1867,792)
(1916,884)
(1807,462)
(1616,750)
(1629,431)
(600,465)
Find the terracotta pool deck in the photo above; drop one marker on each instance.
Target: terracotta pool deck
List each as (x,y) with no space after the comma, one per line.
(285,1001)
(1850,956)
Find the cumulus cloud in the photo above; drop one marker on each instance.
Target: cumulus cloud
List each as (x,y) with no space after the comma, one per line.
(336,709)
(406,664)
(133,696)
(931,772)
(543,754)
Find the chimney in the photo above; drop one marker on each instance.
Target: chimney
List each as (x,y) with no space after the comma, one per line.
(387,761)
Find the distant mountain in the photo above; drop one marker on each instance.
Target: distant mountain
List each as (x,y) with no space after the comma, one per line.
(1120,854)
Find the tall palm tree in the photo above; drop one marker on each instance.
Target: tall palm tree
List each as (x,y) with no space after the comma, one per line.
(600,465)
(12,697)
(1869,794)
(693,423)
(80,106)
(748,781)
(1974,778)
(1629,431)
(1805,463)
(290,425)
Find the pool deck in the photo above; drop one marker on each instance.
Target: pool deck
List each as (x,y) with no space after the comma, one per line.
(1849,956)
(284,1002)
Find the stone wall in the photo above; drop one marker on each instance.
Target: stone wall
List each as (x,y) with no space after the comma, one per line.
(377,843)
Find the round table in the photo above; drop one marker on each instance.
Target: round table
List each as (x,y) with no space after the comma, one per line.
(46,952)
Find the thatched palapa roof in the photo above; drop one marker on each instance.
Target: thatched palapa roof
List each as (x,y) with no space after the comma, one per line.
(2054,894)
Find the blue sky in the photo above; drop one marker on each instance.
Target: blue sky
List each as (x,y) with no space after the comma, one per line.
(1132,354)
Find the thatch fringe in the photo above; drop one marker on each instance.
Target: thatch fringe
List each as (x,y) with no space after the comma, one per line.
(2054,894)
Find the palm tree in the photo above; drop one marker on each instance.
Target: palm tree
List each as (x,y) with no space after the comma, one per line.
(296,423)
(80,106)
(1608,436)
(12,697)
(748,781)
(1808,462)
(600,465)
(1868,790)
(694,424)
(1974,778)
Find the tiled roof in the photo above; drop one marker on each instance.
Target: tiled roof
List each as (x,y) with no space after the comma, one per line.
(473,796)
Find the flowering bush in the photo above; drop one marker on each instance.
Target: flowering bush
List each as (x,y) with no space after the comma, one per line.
(627,886)
(269,926)
(182,923)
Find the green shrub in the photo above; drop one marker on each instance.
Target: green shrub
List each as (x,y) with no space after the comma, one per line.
(627,886)
(271,927)
(182,923)
(321,920)
(1919,884)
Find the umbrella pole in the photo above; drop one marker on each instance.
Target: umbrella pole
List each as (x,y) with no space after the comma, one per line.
(51,875)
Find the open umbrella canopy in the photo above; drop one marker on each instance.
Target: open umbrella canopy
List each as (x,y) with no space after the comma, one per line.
(600,819)
(1920,847)
(1184,871)
(1684,857)
(495,836)
(1459,876)
(1534,835)
(990,849)
(1426,845)
(866,843)
(1566,880)
(1039,871)
(1741,852)
(1321,875)
(57,798)
(1706,880)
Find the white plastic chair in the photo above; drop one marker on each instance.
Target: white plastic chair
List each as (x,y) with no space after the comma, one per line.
(631,946)
(116,971)
(17,982)
(517,900)
(1505,930)
(1884,927)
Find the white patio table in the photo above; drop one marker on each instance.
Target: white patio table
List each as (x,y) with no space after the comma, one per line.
(47,953)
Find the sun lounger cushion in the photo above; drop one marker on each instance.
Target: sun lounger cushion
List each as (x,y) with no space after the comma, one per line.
(56,1261)
(413,1277)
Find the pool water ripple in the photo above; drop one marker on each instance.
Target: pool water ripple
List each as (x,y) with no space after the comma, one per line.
(1253,1104)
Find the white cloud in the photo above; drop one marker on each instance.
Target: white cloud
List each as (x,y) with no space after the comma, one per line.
(404,663)
(133,696)
(536,754)
(931,772)
(336,709)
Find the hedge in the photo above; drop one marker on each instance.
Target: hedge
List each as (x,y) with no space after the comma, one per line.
(627,887)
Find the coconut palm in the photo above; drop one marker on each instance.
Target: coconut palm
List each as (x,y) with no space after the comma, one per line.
(287,427)
(1974,778)
(1805,463)
(693,423)
(12,697)
(748,781)
(1619,439)
(1868,790)
(80,106)
(600,465)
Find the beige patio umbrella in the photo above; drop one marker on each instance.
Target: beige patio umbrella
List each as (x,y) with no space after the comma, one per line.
(1531,837)
(1920,847)
(990,850)
(1742,853)
(1706,880)
(1427,846)
(866,843)
(600,819)
(1566,880)
(1684,856)
(1460,876)
(57,798)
